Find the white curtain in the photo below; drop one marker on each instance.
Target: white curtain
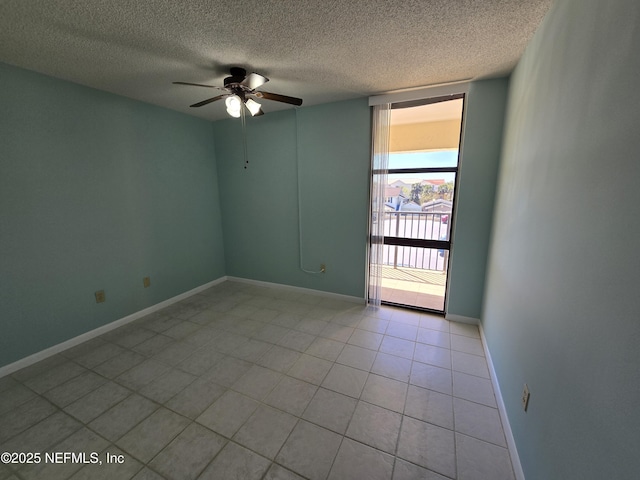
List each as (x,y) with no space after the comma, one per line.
(379,168)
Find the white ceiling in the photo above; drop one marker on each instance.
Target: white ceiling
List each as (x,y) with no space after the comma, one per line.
(318,50)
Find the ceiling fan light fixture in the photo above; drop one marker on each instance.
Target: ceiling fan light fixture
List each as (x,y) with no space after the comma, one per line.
(240,89)
(234,105)
(252,106)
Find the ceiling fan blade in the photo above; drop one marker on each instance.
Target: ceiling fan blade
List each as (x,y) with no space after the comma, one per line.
(198,85)
(207,101)
(254,80)
(279,98)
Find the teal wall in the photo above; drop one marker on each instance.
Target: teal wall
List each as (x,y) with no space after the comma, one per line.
(479,159)
(96,192)
(260,204)
(562,303)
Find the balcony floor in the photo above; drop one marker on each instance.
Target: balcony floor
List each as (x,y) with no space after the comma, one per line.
(414,287)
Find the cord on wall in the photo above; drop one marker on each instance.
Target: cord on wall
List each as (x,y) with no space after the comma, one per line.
(322,269)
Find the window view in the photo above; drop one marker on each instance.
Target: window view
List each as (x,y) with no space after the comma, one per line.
(418,203)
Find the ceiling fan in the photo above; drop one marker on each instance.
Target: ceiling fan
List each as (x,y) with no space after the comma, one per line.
(241,90)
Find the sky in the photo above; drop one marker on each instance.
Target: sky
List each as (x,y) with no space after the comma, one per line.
(446,158)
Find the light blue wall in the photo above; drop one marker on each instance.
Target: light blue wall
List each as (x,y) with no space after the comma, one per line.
(100,191)
(562,298)
(260,204)
(260,219)
(96,192)
(480,156)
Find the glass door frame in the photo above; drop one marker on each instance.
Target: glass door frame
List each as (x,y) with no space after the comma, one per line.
(445,245)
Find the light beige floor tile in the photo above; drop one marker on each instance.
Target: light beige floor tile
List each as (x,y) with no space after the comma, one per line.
(347,380)
(97,402)
(434,337)
(365,339)
(236,463)
(150,436)
(14,397)
(24,416)
(279,359)
(470,364)
(397,346)
(474,389)
(478,460)
(467,345)
(54,376)
(227,371)
(401,330)
(291,395)
(265,431)
(325,348)
(429,406)
(464,329)
(404,470)
(121,418)
(331,410)
(227,414)
(375,426)
(296,340)
(257,382)
(83,441)
(392,366)
(372,324)
(195,399)
(310,450)
(189,453)
(385,392)
(357,357)
(339,390)
(337,332)
(118,365)
(428,445)
(310,369)
(431,377)
(478,421)
(371,464)
(440,357)
(167,385)
(41,436)
(276,472)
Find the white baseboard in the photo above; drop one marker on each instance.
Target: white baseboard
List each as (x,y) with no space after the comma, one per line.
(462,319)
(308,291)
(511,444)
(41,355)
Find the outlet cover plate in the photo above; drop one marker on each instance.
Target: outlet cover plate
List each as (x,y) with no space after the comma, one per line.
(100,297)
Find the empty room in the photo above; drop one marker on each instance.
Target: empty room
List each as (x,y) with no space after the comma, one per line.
(319,240)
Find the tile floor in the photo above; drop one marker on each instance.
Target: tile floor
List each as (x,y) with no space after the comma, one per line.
(247,382)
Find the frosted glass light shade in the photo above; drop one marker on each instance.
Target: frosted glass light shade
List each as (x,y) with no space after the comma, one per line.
(234,104)
(252,106)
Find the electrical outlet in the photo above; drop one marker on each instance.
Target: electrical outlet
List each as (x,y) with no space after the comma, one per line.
(100,296)
(525,397)
(323,268)
(146,281)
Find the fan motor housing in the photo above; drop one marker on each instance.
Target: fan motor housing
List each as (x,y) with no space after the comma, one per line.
(238,75)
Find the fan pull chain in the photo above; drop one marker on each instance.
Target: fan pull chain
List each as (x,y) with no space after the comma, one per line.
(244,138)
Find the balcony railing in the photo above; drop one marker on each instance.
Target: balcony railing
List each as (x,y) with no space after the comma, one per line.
(418,225)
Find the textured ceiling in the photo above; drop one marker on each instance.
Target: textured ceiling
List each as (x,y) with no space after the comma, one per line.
(318,50)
